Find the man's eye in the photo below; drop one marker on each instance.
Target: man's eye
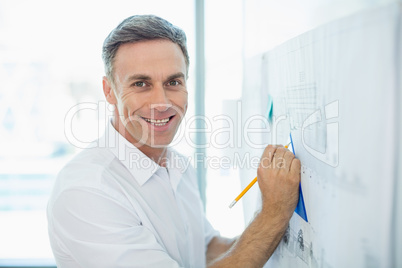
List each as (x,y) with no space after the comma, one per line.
(174,83)
(139,84)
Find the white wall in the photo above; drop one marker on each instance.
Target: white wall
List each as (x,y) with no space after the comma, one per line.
(269,23)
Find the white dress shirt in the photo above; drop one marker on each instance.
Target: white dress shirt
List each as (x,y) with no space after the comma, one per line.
(112,206)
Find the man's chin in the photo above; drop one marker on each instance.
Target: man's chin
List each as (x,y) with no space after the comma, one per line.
(153,145)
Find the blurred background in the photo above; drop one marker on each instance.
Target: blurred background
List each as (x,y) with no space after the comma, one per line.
(52,104)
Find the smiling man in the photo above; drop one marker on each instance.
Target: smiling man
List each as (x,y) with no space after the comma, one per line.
(148,88)
(130,201)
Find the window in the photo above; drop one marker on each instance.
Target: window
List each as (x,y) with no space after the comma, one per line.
(223,87)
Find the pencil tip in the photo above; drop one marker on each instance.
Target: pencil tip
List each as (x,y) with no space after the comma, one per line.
(232,204)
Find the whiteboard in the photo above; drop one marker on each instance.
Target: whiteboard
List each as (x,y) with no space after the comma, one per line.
(337,90)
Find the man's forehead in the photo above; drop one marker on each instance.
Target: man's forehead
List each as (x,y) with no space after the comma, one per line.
(149,48)
(146,59)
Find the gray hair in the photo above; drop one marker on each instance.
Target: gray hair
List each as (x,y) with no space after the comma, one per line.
(140,28)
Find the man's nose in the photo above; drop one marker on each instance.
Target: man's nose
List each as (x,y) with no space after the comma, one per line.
(159,100)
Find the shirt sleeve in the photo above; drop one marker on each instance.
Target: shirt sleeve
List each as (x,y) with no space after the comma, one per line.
(92,229)
(209,231)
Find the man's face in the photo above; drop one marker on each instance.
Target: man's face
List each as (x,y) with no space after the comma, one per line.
(150,91)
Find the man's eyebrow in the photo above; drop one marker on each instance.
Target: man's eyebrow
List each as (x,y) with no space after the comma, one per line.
(176,75)
(138,77)
(146,77)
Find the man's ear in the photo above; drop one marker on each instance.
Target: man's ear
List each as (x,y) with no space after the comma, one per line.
(108,91)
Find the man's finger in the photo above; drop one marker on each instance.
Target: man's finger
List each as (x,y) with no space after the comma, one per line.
(278,160)
(288,157)
(267,156)
(295,168)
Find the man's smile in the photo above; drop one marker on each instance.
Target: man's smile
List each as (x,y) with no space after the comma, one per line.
(158,122)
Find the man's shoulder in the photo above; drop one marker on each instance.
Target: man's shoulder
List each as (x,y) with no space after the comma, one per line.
(91,157)
(92,171)
(86,167)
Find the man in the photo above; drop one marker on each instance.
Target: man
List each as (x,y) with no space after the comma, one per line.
(130,201)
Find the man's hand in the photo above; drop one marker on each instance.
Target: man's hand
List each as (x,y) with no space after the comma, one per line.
(279,177)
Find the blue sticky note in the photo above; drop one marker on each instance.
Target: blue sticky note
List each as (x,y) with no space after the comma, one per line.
(300,207)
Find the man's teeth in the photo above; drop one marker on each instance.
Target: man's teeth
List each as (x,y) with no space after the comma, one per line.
(158,122)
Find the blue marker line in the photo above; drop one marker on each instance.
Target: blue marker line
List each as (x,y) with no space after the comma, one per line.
(291,143)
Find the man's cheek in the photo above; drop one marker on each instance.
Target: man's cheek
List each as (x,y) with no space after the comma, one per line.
(124,111)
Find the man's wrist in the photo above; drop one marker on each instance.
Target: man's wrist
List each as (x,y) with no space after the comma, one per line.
(274,219)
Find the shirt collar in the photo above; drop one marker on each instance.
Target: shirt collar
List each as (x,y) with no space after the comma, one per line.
(141,167)
(177,166)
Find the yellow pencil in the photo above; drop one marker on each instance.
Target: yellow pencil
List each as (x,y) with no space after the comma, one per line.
(247,188)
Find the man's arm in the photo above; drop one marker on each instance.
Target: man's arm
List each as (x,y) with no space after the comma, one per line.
(278,178)
(217,247)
